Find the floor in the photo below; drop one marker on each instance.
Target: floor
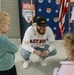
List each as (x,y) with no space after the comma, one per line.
(37,69)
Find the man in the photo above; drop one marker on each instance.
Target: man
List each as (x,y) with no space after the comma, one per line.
(35,41)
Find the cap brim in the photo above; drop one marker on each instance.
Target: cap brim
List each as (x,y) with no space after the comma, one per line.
(43,25)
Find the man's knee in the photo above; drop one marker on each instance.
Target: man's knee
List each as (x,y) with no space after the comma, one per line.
(25,54)
(54,52)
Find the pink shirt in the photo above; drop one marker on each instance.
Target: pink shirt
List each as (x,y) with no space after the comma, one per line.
(67,68)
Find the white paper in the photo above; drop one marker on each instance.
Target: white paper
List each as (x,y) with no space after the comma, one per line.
(72,14)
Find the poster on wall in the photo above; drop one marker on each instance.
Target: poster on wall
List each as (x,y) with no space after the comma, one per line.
(27,14)
(47,9)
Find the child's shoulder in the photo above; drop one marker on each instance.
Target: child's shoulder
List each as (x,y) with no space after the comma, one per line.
(4,38)
(67,62)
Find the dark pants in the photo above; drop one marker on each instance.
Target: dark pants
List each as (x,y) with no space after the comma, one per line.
(25,54)
(11,71)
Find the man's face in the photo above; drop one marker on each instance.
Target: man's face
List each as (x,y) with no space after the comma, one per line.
(41,30)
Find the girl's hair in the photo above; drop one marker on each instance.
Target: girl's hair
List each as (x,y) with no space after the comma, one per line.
(69,44)
(4,17)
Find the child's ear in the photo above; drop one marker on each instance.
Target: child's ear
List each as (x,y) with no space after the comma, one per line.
(1,27)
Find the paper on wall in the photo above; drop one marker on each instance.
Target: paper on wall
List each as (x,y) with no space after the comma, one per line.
(72,14)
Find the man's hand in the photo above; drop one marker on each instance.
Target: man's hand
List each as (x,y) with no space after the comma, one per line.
(39,53)
(45,53)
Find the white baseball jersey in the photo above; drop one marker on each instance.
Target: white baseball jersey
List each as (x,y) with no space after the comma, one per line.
(33,39)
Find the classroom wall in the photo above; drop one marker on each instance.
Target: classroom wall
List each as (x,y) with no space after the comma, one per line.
(11,7)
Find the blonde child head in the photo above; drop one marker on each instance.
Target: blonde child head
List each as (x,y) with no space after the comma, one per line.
(69,44)
(4,22)
(4,17)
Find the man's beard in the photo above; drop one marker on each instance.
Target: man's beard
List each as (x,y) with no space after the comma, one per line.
(41,33)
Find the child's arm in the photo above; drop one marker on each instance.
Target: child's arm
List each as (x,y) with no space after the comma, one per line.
(56,70)
(12,47)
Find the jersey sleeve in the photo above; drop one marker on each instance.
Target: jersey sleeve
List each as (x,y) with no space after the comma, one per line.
(26,40)
(51,40)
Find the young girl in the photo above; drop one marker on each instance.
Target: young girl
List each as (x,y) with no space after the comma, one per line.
(67,67)
(7,48)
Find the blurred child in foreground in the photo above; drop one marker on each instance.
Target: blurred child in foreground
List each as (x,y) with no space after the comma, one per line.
(67,67)
(7,48)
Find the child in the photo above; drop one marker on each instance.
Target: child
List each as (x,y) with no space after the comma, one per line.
(67,67)
(7,47)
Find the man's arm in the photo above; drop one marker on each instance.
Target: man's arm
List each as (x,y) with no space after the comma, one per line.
(51,39)
(26,40)
(26,46)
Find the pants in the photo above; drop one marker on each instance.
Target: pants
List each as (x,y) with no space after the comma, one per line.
(25,54)
(11,71)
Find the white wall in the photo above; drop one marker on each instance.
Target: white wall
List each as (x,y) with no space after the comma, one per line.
(0,5)
(11,7)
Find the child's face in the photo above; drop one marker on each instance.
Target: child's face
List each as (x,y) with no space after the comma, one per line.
(5,27)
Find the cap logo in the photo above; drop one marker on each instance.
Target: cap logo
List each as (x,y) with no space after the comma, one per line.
(42,21)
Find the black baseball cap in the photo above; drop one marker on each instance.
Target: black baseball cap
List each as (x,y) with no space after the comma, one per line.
(41,22)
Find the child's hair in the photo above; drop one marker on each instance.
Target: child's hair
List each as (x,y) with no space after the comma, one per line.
(4,17)
(69,44)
